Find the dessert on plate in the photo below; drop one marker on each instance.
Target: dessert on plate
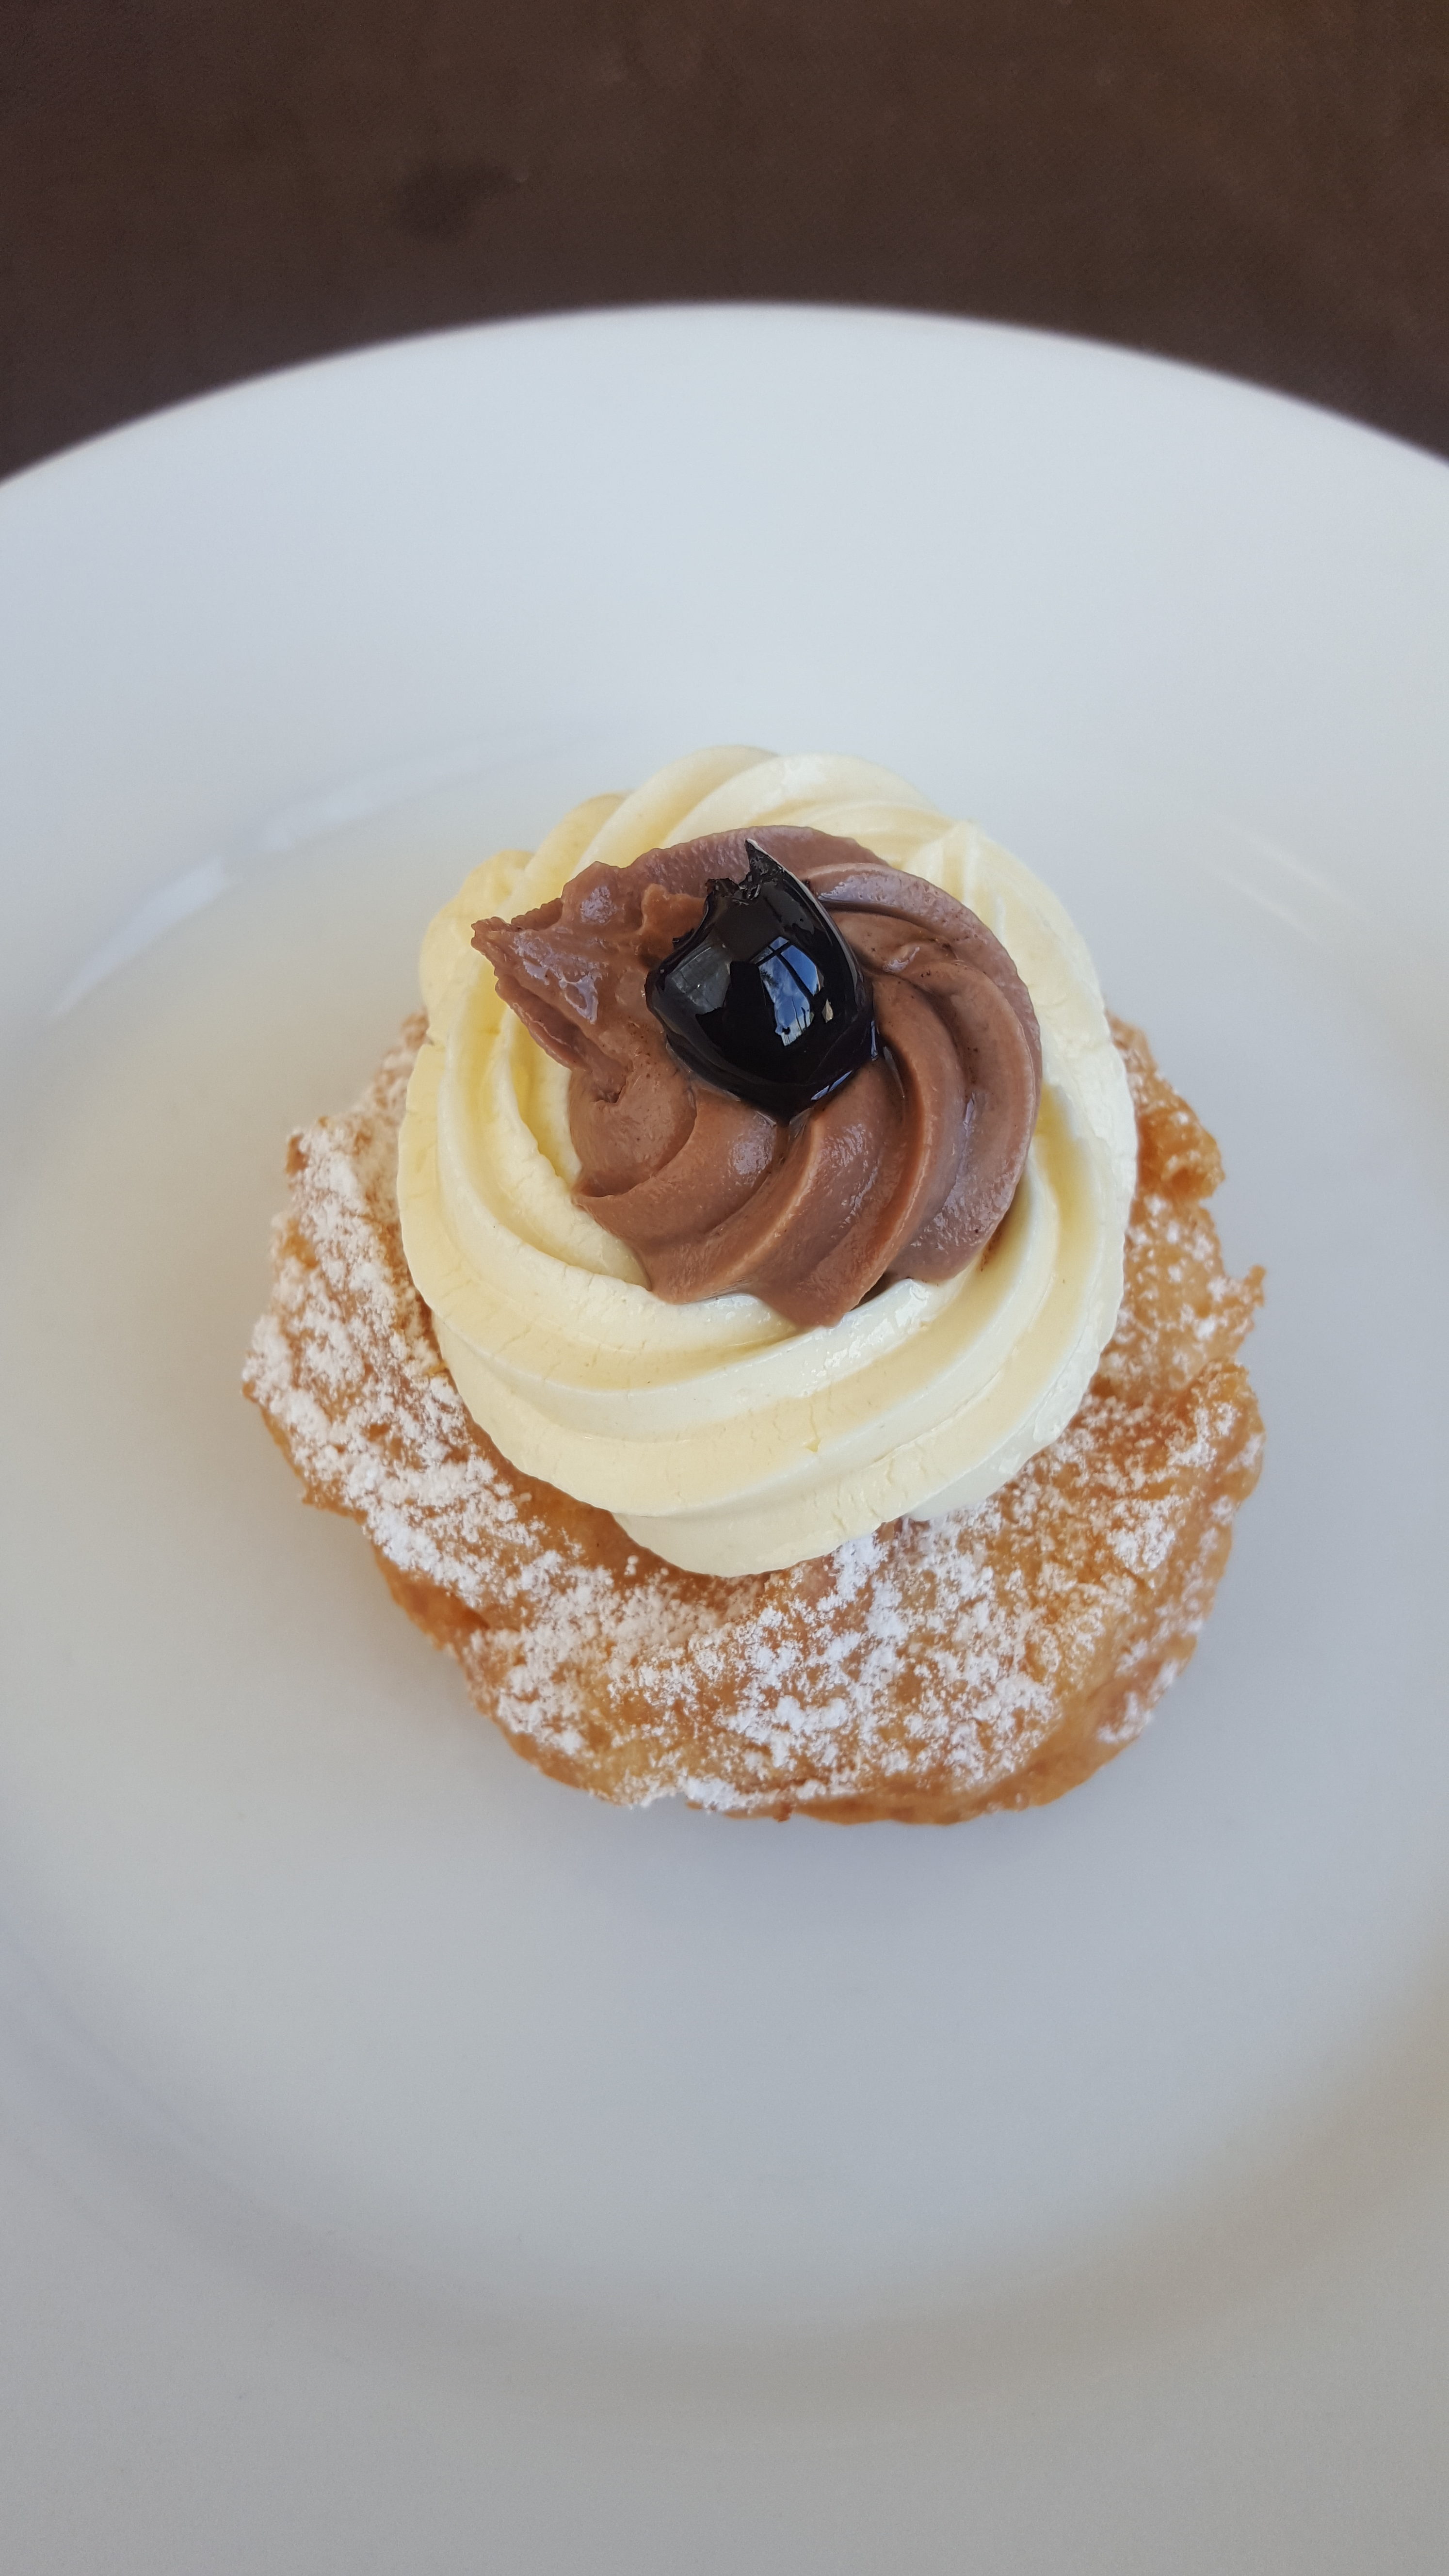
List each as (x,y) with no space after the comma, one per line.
(766,1317)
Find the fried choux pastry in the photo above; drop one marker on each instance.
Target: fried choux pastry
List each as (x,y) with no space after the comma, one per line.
(927,1671)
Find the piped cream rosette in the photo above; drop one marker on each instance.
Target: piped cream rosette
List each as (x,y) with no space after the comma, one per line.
(719,1436)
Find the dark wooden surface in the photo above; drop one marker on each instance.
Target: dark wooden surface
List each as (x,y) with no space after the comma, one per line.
(191,190)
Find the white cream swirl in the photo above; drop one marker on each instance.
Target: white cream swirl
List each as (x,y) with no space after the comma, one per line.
(720,1436)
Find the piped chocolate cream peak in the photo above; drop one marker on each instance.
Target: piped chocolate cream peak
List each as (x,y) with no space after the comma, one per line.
(889,1146)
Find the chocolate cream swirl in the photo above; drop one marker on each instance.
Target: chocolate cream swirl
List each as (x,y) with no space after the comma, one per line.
(721,1436)
(903,1173)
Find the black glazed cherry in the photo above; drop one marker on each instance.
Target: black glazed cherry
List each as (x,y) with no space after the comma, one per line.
(765,999)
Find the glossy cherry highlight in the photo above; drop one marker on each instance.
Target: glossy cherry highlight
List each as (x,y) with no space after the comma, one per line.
(765,999)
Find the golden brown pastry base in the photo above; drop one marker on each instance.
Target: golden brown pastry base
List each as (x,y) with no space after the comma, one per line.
(992,1658)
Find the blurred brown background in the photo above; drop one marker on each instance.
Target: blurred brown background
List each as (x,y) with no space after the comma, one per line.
(191,190)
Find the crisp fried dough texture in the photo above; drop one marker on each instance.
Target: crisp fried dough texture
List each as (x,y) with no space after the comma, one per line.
(930,1672)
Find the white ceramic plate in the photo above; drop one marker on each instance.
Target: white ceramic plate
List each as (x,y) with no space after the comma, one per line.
(406,2163)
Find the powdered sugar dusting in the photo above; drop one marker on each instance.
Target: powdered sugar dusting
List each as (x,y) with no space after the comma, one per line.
(927,1668)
